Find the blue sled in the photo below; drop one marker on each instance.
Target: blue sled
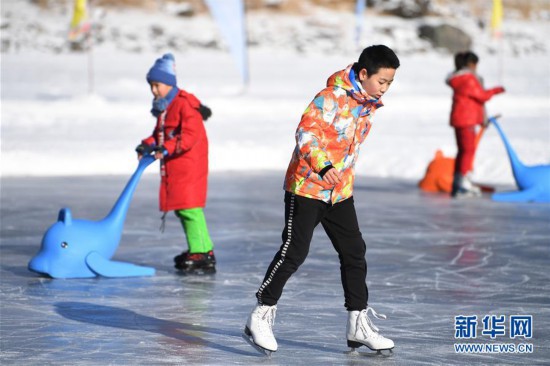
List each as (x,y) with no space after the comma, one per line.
(533,181)
(73,248)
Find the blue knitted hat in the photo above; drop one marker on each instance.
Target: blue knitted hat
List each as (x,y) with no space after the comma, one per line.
(163,71)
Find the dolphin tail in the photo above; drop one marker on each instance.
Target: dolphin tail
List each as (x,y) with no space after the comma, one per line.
(108,268)
(527,195)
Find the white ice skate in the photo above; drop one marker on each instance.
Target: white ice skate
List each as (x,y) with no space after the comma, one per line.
(464,188)
(362,332)
(258,329)
(470,186)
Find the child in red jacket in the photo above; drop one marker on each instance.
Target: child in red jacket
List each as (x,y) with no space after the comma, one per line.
(179,141)
(467,112)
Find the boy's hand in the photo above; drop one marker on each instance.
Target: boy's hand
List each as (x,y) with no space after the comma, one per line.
(160,152)
(143,149)
(499,89)
(332,176)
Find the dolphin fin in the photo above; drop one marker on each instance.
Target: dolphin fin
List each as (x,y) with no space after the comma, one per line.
(65,216)
(108,268)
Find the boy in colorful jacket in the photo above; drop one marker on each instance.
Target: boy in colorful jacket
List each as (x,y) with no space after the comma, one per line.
(468,111)
(318,189)
(179,141)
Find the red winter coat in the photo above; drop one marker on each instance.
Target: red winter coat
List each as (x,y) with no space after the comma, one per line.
(469,98)
(184,183)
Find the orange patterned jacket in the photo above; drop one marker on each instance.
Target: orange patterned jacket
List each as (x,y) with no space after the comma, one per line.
(332,128)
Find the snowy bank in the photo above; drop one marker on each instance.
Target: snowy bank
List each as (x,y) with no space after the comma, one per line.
(51,125)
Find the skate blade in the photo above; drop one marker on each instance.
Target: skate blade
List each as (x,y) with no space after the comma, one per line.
(353,346)
(197,272)
(379,353)
(247,336)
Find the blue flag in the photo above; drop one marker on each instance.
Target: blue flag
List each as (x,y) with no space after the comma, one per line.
(229,15)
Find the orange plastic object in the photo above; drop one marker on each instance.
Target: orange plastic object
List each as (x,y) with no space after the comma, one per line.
(440,171)
(439,174)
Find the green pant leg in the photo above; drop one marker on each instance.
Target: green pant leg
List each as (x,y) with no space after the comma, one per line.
(196,230)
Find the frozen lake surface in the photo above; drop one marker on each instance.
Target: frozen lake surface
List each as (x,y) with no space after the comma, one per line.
(430,259)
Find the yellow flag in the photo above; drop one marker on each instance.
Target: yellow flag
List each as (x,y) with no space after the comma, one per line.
(496,18)
(79,23)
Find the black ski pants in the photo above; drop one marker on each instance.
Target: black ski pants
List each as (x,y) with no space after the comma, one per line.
(302,215)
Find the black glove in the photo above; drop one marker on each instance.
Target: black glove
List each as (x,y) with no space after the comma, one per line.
(205,112)
(143,149)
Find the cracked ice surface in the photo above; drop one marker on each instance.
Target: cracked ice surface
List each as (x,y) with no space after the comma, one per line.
(429,258)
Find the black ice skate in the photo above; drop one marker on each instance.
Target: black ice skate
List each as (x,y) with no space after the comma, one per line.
(196,263)
(180,258)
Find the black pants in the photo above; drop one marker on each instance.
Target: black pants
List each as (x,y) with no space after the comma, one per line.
(302,215)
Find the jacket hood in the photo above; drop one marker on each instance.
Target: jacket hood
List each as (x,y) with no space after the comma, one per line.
(454,76)
(191,98)
(346,79)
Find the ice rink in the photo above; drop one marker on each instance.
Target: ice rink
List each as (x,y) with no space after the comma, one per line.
(430,259)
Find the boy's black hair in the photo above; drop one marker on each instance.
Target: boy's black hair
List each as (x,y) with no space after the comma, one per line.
(470,58)
(459,60)
(373,58)
(462,59)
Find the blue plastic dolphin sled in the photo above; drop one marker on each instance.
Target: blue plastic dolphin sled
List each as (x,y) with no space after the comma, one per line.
(533,181)
(74,248)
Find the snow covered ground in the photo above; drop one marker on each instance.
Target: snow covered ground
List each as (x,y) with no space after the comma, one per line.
(52,125)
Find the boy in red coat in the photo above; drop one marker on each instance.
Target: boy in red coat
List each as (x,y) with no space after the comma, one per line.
(467,112)
(179,141)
